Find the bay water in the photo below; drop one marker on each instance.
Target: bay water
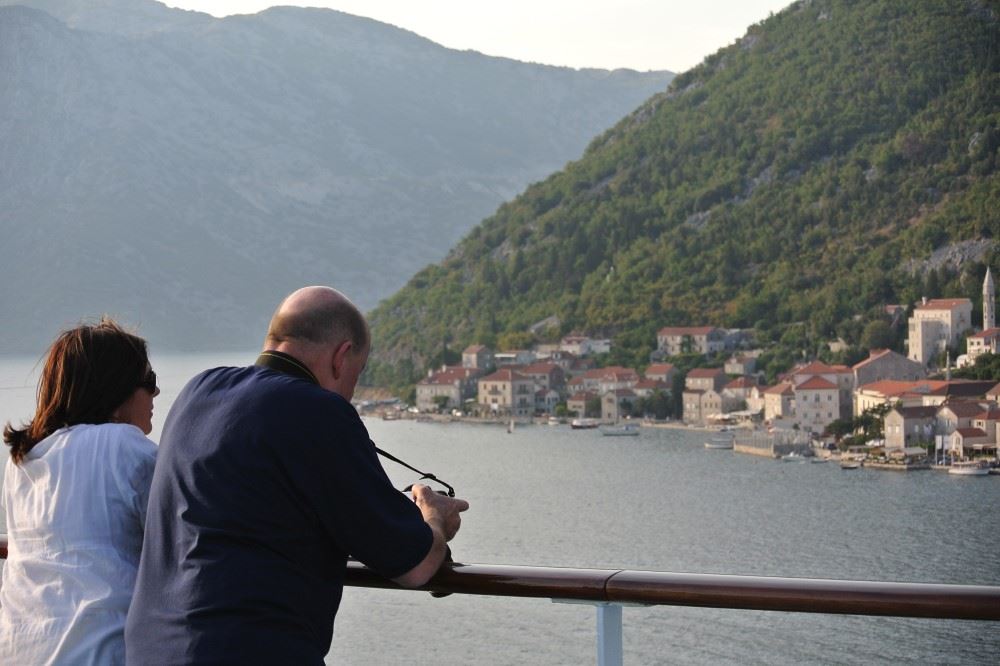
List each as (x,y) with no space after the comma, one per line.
(551,496)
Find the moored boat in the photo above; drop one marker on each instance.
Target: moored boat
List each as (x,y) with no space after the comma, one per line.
(969,468)
(625,430)
(584,424)
(719,443)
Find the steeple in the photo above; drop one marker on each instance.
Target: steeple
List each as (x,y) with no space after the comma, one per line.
(989,302)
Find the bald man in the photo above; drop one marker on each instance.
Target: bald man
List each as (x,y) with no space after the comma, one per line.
(265,482)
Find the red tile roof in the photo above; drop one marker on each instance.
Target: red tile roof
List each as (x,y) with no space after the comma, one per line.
(970,432)
(705,373)
(741,383)
(943,303)
(660,369)
(818,368)
(816,384)
(964,409)
(504,375)
(988,333)
(784,388)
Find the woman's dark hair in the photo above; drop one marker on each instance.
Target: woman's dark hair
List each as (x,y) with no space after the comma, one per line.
(89,372)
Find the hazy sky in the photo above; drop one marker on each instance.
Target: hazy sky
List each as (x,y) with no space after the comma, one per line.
(639,34)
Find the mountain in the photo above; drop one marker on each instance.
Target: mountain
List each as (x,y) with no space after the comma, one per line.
(185,172)
(841,156)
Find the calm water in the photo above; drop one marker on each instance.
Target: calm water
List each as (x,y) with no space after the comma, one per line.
(550,496)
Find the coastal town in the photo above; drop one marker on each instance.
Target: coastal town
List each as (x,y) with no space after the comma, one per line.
(922,414)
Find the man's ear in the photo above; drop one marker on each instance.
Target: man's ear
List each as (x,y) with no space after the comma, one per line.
(339,356)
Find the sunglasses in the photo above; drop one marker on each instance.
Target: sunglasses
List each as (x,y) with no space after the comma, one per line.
(149,381)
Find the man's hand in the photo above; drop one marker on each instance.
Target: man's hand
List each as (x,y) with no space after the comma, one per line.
(439,511)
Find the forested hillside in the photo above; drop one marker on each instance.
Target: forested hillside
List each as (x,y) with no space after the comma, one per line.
(841,156)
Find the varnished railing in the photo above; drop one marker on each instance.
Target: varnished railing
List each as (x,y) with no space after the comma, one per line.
(609,589)
(800,595)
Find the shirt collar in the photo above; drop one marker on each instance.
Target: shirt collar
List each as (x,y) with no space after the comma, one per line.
(286,363)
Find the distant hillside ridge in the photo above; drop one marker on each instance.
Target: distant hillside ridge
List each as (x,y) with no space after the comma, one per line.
(184,172)
(792,184)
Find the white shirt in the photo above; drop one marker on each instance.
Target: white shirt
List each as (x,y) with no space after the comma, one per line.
(75,508)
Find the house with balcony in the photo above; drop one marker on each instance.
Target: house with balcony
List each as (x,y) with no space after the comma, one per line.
(446,389)
(506,392)
(839,375)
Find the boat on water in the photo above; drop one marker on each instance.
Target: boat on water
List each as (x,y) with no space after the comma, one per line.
(794,456)
(969,468)
(850,464)
(555,420)
(719,443)
(624,430)
(584,424)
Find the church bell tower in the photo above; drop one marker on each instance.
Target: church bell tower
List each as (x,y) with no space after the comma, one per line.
(989,302)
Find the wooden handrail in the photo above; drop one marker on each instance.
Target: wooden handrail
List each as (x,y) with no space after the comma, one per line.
(800,595)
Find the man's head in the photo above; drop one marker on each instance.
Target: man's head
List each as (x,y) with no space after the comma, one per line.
(322,328)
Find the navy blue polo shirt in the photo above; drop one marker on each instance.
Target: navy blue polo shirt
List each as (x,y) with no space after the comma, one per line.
(264,484)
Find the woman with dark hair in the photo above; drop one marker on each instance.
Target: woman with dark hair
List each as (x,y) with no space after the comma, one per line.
(75,492)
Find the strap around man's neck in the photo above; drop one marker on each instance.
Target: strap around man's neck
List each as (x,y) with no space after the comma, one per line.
(286,363)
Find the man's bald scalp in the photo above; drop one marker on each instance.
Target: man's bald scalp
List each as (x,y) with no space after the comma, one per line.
(318,315)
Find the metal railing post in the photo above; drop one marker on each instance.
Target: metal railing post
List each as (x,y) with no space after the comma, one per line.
(609,634)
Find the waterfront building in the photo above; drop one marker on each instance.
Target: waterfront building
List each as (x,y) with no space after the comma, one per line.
(908,426)
(701,405)
(451,386)
(969,442)
(957,415)
(839,375)
(779,402)
(886,364)
(577,403)
(507,392)
(617,403)
(936,325)
(817,404)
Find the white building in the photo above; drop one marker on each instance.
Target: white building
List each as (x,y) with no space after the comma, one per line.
(936,325)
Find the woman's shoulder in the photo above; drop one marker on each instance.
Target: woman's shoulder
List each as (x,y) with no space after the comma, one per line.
(119,436)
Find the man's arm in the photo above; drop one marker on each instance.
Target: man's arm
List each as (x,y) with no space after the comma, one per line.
(442,515)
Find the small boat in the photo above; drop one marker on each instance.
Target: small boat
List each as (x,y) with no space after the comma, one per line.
(584,424)
(719,443)
(626,430)
(849,463)
(969,468)
(794,456)
(555,420)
